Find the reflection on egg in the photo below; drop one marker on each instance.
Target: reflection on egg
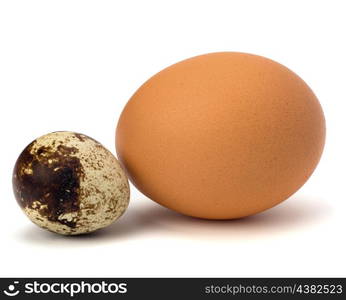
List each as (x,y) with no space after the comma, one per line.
(70,184)
(221,136)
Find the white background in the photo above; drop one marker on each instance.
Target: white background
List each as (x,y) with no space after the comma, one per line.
(72,65)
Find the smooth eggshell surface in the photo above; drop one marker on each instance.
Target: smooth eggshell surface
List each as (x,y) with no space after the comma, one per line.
(221,136)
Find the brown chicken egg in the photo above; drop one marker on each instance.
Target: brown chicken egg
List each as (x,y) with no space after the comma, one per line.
(70,184)
(221,136)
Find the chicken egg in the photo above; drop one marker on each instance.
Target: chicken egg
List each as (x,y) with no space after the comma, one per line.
(221,136)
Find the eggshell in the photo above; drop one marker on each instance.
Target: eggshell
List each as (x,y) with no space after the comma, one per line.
(70,184)
(221,136)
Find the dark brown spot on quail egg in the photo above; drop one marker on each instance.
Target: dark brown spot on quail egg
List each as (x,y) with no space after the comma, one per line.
(69,183)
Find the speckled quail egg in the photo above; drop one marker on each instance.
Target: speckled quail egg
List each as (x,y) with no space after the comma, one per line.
(70,184)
